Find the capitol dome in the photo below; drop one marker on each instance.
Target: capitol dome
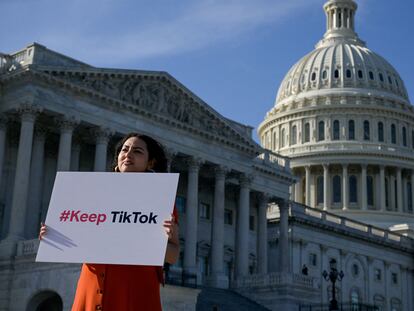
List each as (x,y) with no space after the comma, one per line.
(343,116)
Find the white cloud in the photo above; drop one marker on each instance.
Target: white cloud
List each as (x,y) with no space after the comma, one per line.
(101,39)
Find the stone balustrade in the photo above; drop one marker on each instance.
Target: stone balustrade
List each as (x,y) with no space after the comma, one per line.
(303,211)
(27,247)
(274,279)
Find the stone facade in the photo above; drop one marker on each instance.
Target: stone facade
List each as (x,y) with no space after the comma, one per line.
(58,114)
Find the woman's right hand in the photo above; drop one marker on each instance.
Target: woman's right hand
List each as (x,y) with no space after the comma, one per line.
(43,231)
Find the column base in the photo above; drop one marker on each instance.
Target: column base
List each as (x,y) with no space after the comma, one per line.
(191,276)
(219,281)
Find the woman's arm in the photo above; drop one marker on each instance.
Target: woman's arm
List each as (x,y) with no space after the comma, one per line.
(173,247)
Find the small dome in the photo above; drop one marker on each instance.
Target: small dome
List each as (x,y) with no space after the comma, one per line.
(341,61)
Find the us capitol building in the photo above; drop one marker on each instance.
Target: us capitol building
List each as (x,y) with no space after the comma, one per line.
(332,180)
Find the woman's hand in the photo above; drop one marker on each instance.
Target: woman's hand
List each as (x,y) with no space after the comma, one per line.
(173,247)
(43,231)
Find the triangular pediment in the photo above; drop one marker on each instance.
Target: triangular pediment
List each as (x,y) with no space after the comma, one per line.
(156,93)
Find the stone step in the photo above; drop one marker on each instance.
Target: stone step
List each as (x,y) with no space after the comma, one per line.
(213,299)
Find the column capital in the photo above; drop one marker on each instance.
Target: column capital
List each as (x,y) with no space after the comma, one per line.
(221,171)
(101,134)
(263,197)
(345,165)
(66,123)
(245,179)
(28,111)
(170,152)
(194,163)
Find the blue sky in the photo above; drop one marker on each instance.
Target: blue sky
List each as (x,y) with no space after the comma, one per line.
(231,53)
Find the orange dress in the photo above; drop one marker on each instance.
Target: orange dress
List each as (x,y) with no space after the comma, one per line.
(119,287)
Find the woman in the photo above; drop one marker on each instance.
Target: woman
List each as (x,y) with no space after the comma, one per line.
(126,287)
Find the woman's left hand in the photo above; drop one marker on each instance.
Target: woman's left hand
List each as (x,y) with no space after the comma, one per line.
(171,230)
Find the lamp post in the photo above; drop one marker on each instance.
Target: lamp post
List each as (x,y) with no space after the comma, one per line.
(333,276)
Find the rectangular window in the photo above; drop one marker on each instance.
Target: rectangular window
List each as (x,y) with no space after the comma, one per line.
(313,259)
(180,204)
(252,222)
(204,211)
(228,217)
(394,278)
(377,274)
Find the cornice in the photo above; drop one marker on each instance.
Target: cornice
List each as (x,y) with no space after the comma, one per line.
(244,145)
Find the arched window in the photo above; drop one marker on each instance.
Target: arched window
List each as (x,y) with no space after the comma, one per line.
(319,190)
(380,131)
(336,74)
(336,195)
(336,130)
(307,132)
(351,130)
(395,196)
(393,134)
(348,73)
(360,75)
(293,135)
(313,76)
(381,77)
(404,136)
(370,191)
(321,130)
(366,130)
(371,75)
(395,304)
(379,302)
(353,190)
(324,74)
(282,139)
(389,80)
(409,197)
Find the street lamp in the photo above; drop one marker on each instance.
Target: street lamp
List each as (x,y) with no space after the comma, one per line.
(333,276)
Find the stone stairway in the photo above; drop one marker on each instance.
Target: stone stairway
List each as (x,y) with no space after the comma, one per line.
(213,299)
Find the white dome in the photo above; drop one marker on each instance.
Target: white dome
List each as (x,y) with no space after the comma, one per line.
(341,61)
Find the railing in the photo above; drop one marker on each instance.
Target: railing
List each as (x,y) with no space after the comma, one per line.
(349,306)
(27,247)
(268,157)
(297,209)
(274,279)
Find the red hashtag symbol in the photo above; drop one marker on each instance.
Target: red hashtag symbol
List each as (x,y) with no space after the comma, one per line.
(64,215)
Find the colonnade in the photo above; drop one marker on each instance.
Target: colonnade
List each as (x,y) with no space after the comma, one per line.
(30,169)
(391,188)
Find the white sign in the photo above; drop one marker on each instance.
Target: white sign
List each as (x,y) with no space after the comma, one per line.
(113,218)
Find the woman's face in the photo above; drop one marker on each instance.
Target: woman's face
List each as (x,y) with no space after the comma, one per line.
(133,156)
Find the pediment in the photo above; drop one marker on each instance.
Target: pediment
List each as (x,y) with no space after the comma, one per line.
(159,94)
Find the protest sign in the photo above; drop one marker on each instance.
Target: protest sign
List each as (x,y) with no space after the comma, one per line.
(113,218)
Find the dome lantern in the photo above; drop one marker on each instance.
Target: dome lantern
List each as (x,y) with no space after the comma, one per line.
(340,22)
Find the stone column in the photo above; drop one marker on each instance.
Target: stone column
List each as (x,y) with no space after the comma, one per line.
(284,253)
(382,188)
(36,183)
(299,190)
(399,191)
(392,194)
(326,187)
(217,278)
(307,181)
(75,156)
(242,231)
(67,125)
(170,154)
(262,235)
(364,197)
(16,230)
(191,220)
(412,191)
(345,187)
(101,136)
(3,130)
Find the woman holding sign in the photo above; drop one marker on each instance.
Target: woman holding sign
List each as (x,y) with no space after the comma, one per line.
(126,287)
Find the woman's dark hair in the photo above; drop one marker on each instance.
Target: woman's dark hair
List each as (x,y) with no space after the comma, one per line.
(155,152)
